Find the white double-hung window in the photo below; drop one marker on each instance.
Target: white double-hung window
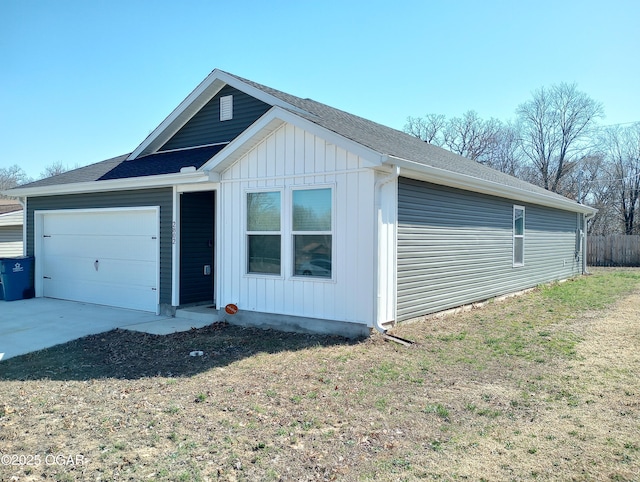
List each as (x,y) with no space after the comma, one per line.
(312,232)
(264,236)
(518,236)
(305,234)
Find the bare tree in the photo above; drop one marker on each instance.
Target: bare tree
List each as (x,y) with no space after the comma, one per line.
(556,128)
(505,154)
(605,222)
(428,128)
(472,137)
(53,170)
(590,183)
(622,147)
(583,179)
(12,176)
(489,142)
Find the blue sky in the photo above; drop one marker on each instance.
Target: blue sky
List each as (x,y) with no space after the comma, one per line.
(86,80)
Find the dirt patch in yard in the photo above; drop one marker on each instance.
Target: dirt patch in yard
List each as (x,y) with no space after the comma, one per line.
(540,387)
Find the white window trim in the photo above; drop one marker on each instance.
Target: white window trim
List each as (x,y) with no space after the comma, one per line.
(518,236)
(293,233)
(248,233)
(287,252)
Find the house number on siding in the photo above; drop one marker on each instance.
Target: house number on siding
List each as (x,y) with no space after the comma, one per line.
(173,232)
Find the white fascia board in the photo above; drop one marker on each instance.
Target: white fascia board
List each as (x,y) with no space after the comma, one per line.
(443,177)
(196,100)
(147,182)
(272,120)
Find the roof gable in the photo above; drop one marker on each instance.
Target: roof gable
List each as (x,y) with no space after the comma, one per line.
(206,128)
(272,121)
(194,102)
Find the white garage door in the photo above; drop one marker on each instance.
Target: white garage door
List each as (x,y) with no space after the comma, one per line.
(108,256)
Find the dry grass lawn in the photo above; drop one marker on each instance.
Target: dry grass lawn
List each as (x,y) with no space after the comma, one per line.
(543,386)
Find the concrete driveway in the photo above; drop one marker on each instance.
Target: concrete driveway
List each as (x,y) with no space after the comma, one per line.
(30,325)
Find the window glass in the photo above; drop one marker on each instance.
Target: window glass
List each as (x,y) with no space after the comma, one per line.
(518,222)
(264,254)
(312,254)
(264,246)
(263,211)
(310,228)
(518,236)
(518,251)
(312,232)
(312,210)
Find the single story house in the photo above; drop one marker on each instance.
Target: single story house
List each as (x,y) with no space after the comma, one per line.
(11,228)
(304,216)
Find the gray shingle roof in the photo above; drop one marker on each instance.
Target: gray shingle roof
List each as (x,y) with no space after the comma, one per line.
(89,173)
(119,168)
(392,142)
(379,138)
(169,162)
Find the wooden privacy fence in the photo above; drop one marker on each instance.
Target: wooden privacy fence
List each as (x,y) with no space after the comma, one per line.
(616,250)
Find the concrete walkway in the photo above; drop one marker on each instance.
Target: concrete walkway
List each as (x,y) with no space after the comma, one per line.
(30,325)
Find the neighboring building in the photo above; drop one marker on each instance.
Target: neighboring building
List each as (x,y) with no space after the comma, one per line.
(304,216)
(11,228)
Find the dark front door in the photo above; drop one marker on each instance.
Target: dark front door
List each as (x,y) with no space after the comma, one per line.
(196,247)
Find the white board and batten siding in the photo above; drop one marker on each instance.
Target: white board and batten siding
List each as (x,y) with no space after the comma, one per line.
(102,256)
(290,158)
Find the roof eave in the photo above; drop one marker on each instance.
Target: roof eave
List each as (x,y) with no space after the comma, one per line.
(146,182)
(470,183)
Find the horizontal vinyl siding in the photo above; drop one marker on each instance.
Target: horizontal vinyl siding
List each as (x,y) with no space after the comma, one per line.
(455,247)
(11,219)
(205,127)
(10,241)
(147,197)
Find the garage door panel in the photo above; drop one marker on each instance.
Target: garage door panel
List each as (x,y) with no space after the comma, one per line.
(75,269)
(136,222)
(125,245)
(96,292)
(97,247)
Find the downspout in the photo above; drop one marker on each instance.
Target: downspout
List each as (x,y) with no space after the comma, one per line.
(395,173)
(23,203)
(585,218)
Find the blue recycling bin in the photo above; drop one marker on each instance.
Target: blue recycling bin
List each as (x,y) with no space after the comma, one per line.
(16,275)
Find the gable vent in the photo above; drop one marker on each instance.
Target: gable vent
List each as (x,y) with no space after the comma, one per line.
(226,107)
